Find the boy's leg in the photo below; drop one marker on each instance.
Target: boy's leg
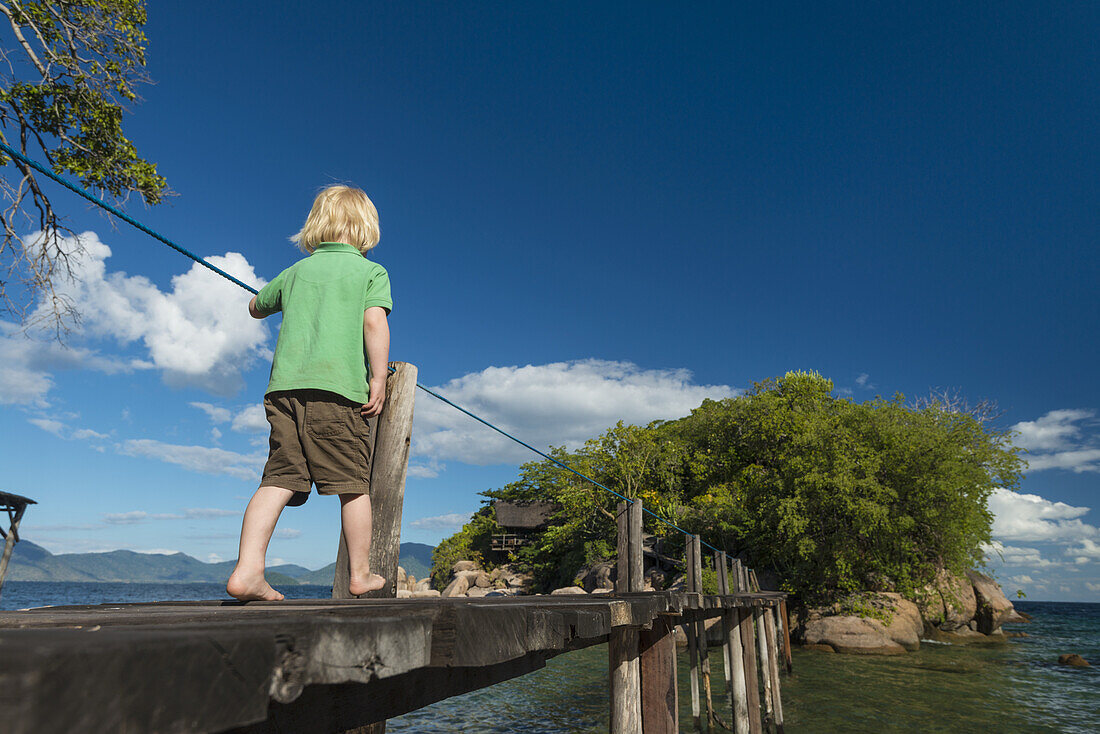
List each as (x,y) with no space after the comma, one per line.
(355,516)
(247,581)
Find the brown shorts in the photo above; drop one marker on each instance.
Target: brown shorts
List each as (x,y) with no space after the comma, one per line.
(318,437)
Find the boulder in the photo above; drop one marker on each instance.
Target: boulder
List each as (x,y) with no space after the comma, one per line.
(1073,659)
(464,566)
(993,607)
(477,591)
(501,592)
(852,635)
(602,591)
(948,602)
(1017,618)
(401,575)
(906,624)
(964,636)
(403,593)
(597,577)
(656,578)
(423,585)
(425,594)
(482,580)
(458,587)
(410,582)
(568,590)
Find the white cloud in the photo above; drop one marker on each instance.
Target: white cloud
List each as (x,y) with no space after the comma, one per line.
(27,363)
(49,425)
(864,381)
(1055,430)
(201,459)
(1086,548)
(84,434)
(1017,556)
(134,517)
(563,403)
(252,419)
(1033,518)
(1091,586)
(214,558)
(208,512)
(216,413)
(1078,461)
(288,533)
(1022,579)
(1057,440)
(199,333)
(442,522)
(427,470)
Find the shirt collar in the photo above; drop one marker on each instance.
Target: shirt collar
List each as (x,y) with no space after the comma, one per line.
(336,247)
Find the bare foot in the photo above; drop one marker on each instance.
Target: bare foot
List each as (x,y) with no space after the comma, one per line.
(357,585)
(244,587)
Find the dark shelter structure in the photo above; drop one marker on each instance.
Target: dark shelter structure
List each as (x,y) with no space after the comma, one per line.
(15,506)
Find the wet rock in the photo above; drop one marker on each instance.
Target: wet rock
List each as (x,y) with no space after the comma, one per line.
(820,647)
(852,635)
(964,636)
(1073,659)
(993,607)
(906,624)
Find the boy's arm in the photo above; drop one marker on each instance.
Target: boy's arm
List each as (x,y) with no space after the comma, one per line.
(376,336)
(255,312)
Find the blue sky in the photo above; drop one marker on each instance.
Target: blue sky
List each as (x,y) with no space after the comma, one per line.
(588,213)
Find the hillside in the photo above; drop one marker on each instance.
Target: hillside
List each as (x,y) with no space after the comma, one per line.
(31,562)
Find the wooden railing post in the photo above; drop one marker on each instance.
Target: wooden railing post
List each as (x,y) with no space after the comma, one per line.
(773,669)
(786,622)
(390,464)
(735,664)
(690,631)
(389,467)
(622,649)
(701,636)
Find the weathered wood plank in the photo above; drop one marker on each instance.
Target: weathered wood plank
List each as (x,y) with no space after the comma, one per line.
(752,683)
(773,670)
(660,698)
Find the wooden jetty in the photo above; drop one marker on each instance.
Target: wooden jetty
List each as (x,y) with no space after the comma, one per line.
(348,664)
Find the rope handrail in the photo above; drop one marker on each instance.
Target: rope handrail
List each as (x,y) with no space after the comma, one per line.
(187,253)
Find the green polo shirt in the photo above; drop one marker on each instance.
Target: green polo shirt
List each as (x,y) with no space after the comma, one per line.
(323,298)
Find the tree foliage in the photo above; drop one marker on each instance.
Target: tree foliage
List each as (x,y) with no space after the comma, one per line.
(835,495)
(71,69)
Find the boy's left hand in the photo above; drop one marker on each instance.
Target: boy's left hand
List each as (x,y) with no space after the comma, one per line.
(377,399)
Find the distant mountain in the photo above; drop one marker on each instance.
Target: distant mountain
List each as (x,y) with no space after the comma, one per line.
(31,562)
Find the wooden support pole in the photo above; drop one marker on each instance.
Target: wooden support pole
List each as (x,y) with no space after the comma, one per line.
(390,464)
(738,699)
(689,631)
(9,542)
(701,635)
(626,693)
(623,644)
(773,670)
(764,651)
(660,700)
(786,621)
(724,590)
(389,467)
(752,683)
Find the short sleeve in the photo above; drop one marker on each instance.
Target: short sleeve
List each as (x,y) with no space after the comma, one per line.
(378,290)
(270,298)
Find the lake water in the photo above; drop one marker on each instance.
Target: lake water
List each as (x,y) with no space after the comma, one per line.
(1017,687)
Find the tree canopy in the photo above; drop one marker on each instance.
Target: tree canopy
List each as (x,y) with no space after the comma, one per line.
(72,66)
(834,495)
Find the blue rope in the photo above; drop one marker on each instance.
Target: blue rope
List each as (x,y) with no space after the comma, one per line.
(183,251)
(124,217)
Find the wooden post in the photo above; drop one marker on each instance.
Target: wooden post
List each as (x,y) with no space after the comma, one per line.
(763,649)
(701,635)
(637,582)
(724,590)
(623,642)
(622,548)
(773,670)
(10,538)
(786,621)
(390,464)
(657,657)
(752,684)
(735,664)
(689,631)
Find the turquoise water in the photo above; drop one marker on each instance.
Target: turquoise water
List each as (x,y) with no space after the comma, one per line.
(1016,687)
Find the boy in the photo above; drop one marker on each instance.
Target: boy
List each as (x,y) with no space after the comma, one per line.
(327,386)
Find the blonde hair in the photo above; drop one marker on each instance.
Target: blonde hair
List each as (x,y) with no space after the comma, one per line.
(340,214)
